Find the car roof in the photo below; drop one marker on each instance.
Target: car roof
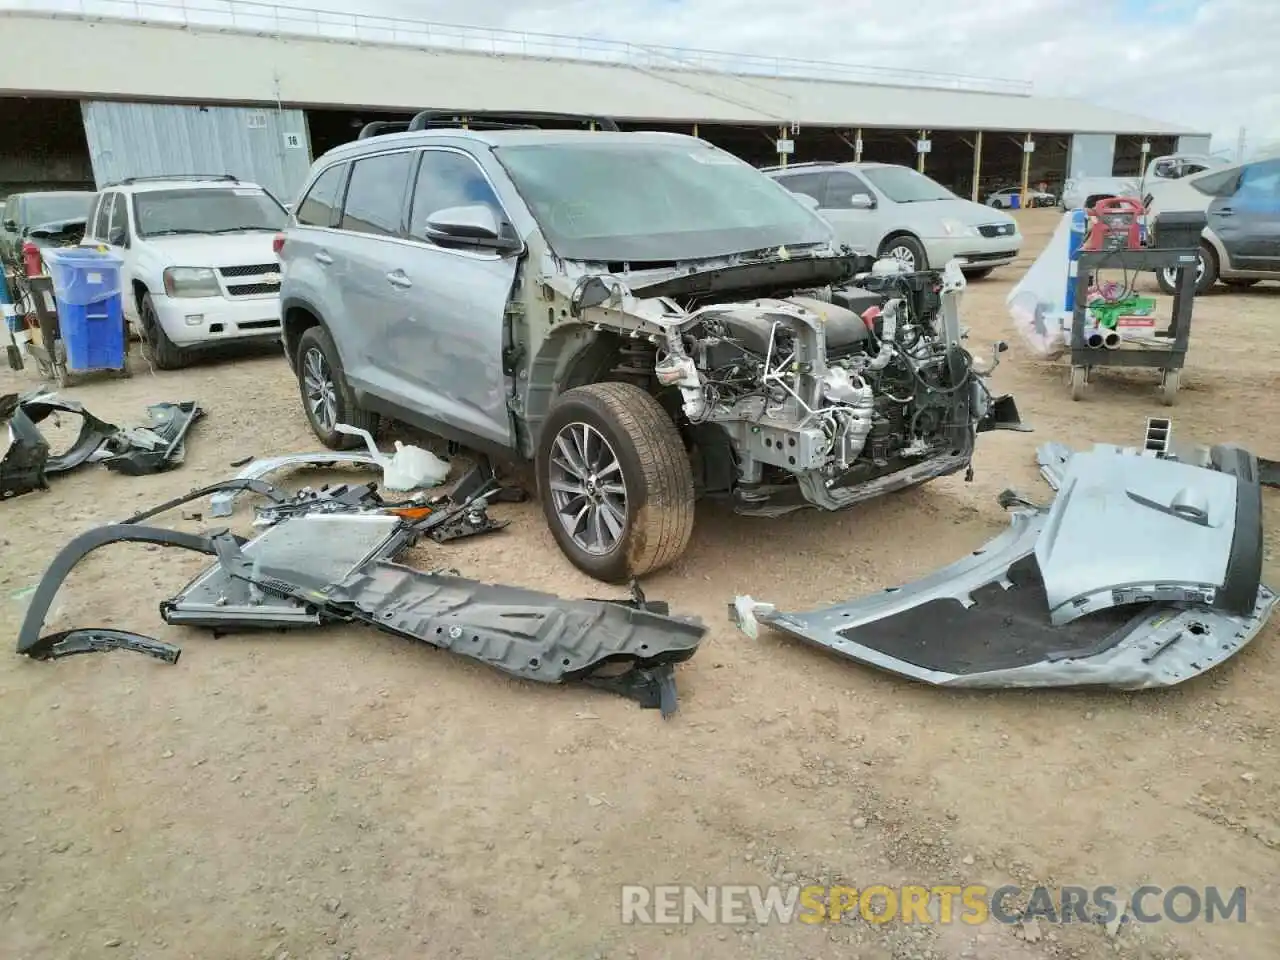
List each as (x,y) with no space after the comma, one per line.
(501,138)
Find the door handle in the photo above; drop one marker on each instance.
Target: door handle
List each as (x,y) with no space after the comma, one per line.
(1225,211)
(397,278)
(323,257)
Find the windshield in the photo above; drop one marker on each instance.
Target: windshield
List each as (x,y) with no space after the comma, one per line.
(52,207)
(205,210)
(644,201)
(904,185)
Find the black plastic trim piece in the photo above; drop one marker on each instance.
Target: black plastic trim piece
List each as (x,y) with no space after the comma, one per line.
(1239,593)
(29,635)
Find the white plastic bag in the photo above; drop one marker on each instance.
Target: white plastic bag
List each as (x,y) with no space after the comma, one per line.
(410,468)
(1037,303)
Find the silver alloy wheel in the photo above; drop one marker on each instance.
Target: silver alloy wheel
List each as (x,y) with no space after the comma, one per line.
(322,395)
(904,254)
(1170,274)
(588,491)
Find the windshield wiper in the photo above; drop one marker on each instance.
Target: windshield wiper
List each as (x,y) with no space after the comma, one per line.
(245,229)
(176,231)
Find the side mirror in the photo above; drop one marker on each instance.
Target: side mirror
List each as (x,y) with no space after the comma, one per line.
(10,226)
(861,201)
(808,201)
(118,239)
(475,225)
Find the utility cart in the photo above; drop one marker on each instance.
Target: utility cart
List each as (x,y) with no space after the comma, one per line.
(1175,247)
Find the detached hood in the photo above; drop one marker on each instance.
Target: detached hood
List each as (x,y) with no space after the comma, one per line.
(215,250)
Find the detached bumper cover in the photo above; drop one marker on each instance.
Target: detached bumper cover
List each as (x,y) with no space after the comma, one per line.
(986,620)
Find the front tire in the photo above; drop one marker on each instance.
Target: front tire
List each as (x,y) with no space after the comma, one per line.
(327,398)
(166,354)
(615,482)
(978,274)
(907,249)
(1206,273)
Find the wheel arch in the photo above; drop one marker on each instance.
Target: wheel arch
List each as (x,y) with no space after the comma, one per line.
(572,355)
(296,317)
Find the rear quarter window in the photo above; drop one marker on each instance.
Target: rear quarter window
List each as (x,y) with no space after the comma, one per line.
(319,208)
(1221,184)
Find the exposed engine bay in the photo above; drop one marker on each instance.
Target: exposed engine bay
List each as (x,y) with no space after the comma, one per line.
(825,396)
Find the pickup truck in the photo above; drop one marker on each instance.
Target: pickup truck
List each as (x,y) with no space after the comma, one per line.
(1084,192)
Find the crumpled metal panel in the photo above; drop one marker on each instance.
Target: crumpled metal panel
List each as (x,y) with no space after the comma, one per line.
(1115,533)
(1158,645)
(536,636)
(222,504)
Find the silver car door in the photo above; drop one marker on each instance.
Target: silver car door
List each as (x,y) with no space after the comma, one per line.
(444,343)
(851,206)
(365,252)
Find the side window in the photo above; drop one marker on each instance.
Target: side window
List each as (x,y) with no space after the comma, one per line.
(447,179)
(10,209)
(118,230)
(810,184)
(1221,184)
(318,207)
(841,186)
(102,216)
(375,196)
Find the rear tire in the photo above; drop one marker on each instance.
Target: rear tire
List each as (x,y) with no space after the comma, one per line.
(327,398)
(615,482)
(164,352)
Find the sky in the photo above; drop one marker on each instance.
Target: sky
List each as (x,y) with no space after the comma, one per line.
(1206,64)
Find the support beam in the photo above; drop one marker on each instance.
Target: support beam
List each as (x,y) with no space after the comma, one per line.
(857,146)
(977,165)
(1027,146)
(1146,149)
(924,135)
(782,135)
(695,129)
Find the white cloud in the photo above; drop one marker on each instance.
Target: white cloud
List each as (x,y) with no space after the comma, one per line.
(1205,64)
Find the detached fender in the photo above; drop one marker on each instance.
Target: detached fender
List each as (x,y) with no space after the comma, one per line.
(30,641)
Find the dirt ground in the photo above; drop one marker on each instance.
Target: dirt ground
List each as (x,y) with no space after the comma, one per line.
(341,794)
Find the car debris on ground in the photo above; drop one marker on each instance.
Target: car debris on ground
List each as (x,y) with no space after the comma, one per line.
(155,447)
(1144,571)
(330,555)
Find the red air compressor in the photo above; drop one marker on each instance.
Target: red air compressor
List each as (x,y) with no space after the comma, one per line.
(1115,224)
(32,262)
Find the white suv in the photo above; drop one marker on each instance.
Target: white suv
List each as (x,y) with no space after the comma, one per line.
(199,268)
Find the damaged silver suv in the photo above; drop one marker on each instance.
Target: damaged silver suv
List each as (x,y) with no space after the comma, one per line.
(647,317)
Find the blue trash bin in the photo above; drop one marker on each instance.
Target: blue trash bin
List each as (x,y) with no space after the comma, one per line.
(86,285)
(1015,201)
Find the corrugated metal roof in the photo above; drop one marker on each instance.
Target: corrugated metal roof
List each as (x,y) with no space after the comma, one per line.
(222,65)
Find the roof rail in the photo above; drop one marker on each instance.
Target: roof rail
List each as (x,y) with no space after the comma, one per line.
(199,177)
(176,176)
(501,120)
(378,127)
(807,163)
